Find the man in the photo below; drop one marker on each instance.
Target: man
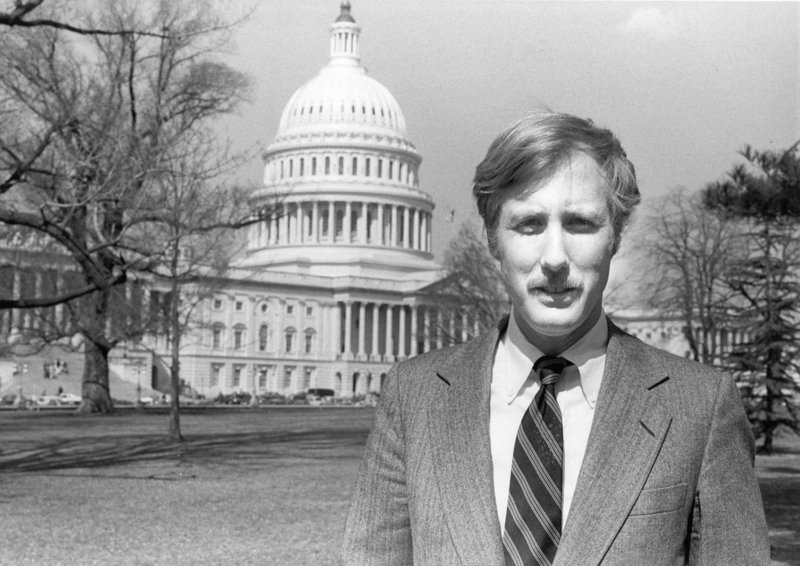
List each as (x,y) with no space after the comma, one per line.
(558,438)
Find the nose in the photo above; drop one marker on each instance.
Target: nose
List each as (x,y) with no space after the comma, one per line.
(554,255)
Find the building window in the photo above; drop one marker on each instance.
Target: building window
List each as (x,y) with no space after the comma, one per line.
(391,169)
(341,165)
(217,304)
(262,378)
(262,338)
(239,306)
(289,309)
(288,373)
(302,166)
(307,373)
(216,337)
(291,167)
(237,376)
(366,166)
(354,169)
(264,307)
(309,311)
(313,165)
(289,336)
(238,338)
(380,168)
(309,341)
(216,371)
(327,165)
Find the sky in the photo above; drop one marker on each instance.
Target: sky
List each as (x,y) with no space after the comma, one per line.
(684,85)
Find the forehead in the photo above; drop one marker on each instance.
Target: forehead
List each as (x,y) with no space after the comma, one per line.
(577,181)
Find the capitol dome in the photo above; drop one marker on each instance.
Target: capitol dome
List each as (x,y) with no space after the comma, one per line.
(342,97)
(341,189)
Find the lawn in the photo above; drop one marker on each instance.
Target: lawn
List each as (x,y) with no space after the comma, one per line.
(249,486)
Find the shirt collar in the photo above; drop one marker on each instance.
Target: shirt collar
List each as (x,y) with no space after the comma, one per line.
(587,354)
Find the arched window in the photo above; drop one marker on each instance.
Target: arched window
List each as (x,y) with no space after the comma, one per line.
(302,166)
(309,340)
(366,166)
(341,165)
(313,165)
(238,337)
(216,335)
(354,169)
(263,332)
(327,165)
(289,339)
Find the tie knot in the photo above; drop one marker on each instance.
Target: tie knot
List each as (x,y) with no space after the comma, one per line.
(549,368)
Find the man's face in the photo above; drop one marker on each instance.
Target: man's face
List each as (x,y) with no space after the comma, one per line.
(555,242)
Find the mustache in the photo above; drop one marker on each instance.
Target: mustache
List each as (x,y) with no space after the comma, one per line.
(557,284)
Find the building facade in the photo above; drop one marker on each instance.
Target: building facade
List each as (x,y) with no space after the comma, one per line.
(330,291)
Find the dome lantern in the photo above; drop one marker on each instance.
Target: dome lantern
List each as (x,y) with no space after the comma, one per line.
(344,38)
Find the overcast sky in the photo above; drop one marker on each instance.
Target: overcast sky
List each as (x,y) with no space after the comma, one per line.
(684,85)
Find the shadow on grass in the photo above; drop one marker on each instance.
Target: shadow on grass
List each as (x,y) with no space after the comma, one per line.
(229,448)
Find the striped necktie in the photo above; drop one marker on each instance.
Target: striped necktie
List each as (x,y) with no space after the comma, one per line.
(533,517)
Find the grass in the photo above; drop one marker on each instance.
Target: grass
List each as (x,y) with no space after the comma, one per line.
(263,486)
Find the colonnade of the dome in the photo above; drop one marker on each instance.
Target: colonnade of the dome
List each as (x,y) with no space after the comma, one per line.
(305,164)
(346,222)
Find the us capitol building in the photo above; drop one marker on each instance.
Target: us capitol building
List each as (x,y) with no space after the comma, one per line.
(332,288)
(329,293)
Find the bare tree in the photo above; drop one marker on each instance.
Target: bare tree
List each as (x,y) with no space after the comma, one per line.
(687,250)
(471,298)
(91,126)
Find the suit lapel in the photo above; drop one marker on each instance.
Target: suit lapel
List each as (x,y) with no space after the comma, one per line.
(628,429)
(459,431)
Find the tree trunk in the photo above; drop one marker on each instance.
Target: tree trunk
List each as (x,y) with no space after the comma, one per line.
(174,326)
(96,395)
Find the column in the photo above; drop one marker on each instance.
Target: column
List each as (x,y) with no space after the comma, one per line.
(380,240)
(424,232)
(362,318)
(414,337)
(406,228)
(348,211)
(362,224)
(426,321)
(464,327)
(16,314)
(416,242)
(393,238)
(389,356)
(273,229)
(331,221)
(283,222)
(298,223)
(428,234)
(335,317)
(348,328)
(439,323)
(375,319)
(401,333)
(315,222)
(451,328)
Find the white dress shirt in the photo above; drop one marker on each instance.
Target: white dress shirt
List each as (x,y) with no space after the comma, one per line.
(512,392)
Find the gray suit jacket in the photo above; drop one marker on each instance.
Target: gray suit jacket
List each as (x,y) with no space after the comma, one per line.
(667,478)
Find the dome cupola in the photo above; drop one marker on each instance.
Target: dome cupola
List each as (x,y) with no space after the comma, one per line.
(345,174)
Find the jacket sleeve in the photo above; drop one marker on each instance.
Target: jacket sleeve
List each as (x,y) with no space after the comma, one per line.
(732,528)
(378,530)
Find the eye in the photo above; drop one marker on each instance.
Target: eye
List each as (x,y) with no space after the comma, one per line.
(530,225)
(582,225)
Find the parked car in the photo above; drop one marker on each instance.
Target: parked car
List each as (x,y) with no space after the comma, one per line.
(69,399)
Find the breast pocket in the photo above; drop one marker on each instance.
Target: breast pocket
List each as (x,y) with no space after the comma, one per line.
(660,500)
